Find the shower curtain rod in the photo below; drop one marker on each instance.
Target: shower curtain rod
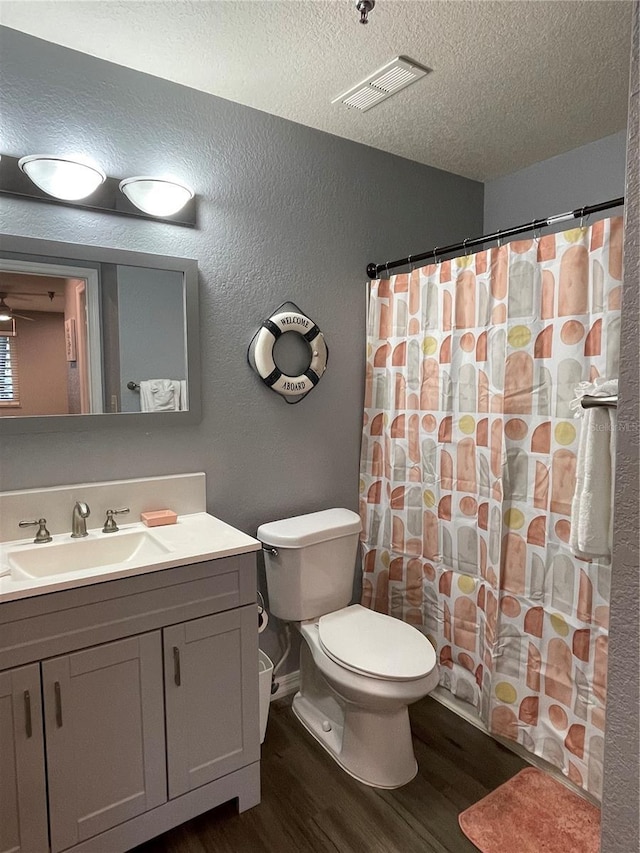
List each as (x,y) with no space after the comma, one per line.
(373,270)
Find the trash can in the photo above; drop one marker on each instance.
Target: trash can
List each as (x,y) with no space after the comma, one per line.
(265,671)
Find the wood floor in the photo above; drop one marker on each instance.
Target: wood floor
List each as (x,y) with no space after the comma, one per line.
(309,804)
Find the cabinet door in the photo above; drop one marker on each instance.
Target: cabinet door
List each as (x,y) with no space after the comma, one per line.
(23,799)
(105,736)
(211,691)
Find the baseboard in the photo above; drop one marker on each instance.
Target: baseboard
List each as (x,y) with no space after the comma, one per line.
(464,710)
(287,684)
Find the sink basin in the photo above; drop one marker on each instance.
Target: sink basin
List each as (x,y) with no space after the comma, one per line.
(77,555)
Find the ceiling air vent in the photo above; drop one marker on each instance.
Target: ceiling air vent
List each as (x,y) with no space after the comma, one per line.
(386,81)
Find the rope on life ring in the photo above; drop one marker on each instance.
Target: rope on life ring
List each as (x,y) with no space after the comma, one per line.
(262,351)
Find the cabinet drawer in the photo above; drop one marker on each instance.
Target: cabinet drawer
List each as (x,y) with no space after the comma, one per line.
(47,625)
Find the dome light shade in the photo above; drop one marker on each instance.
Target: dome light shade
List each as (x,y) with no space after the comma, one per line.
(156,196)
(61,177)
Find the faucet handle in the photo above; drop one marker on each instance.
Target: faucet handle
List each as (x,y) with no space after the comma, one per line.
(43,534)
(110,525)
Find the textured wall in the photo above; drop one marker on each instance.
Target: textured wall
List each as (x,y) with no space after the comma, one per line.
(621,805)
(586,175)
(285,212)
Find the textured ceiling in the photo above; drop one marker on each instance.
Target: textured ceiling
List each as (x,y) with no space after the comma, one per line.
(513,82)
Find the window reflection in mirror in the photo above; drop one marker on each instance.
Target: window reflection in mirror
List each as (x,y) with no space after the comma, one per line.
(72,338)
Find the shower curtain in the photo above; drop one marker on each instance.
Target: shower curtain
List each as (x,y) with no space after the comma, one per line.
(467,476)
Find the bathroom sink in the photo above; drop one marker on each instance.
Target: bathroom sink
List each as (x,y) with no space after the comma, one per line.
(27,568)
(126,547)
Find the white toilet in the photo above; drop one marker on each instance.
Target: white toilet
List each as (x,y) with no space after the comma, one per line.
(359,670)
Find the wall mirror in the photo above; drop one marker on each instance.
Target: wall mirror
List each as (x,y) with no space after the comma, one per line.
(94,337)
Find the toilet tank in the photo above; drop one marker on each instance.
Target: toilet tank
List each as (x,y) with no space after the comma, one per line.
(310,563)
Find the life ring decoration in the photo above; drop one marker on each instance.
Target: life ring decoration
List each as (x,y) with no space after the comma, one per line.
(288,318)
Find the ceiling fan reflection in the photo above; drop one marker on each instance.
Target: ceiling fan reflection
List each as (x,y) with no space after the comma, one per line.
(7,313)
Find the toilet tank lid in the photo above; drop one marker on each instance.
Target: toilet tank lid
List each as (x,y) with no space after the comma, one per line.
(303,530)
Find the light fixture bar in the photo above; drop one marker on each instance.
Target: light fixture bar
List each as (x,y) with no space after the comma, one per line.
(107,198)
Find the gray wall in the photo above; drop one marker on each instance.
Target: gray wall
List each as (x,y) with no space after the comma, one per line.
(621,806)
(586,175)
(285,212)
(151,329)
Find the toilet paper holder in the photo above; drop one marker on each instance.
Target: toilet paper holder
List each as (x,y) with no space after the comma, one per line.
(263,616)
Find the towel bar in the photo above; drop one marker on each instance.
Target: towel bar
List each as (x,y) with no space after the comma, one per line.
(592,402)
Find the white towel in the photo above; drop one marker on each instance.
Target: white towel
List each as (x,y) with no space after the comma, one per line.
(592,507)
(160,395)
(184,396)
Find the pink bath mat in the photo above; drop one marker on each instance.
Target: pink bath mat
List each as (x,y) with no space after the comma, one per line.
(532,813)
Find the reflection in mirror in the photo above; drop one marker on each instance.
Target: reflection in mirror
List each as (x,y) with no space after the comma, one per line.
(46,343)
(144,339)
(119,338)
(72,338)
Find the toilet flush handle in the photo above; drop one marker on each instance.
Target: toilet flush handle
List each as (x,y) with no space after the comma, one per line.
(272,551)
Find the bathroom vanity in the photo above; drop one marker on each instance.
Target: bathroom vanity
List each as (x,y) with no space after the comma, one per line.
(128,699)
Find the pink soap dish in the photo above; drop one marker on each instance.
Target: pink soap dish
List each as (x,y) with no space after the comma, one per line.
(158,517)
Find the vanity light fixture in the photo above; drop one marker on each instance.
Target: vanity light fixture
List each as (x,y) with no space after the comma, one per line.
(78,182)
(62,177)
(156,196)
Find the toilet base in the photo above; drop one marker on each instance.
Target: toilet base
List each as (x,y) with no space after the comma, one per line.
(373,747)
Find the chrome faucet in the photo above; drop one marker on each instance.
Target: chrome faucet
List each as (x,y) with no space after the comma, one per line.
(43,534)
(79,517)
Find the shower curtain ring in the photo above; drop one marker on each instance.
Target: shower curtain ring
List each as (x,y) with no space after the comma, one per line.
(410,265)
(498,239)
(584,221)
(464,246)
(435,255)
(386,266)
(533,228)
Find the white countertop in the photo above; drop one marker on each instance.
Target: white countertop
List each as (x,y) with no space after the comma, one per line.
(193,539)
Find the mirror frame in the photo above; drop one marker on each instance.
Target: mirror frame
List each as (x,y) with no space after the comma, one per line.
(57,252)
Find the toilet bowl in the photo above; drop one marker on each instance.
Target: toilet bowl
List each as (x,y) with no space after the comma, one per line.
(359,670)
(362,717)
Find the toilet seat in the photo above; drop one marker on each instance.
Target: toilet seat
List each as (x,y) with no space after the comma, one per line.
(373,644)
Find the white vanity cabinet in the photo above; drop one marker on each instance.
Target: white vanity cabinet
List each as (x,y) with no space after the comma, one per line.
(148,711)
(23,799)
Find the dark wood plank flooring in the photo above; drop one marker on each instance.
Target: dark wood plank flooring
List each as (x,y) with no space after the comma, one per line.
(310,804)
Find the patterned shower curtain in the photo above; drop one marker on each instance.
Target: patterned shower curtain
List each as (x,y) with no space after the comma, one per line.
(467,476)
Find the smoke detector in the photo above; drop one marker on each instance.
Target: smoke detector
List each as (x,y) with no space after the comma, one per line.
(382,84)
